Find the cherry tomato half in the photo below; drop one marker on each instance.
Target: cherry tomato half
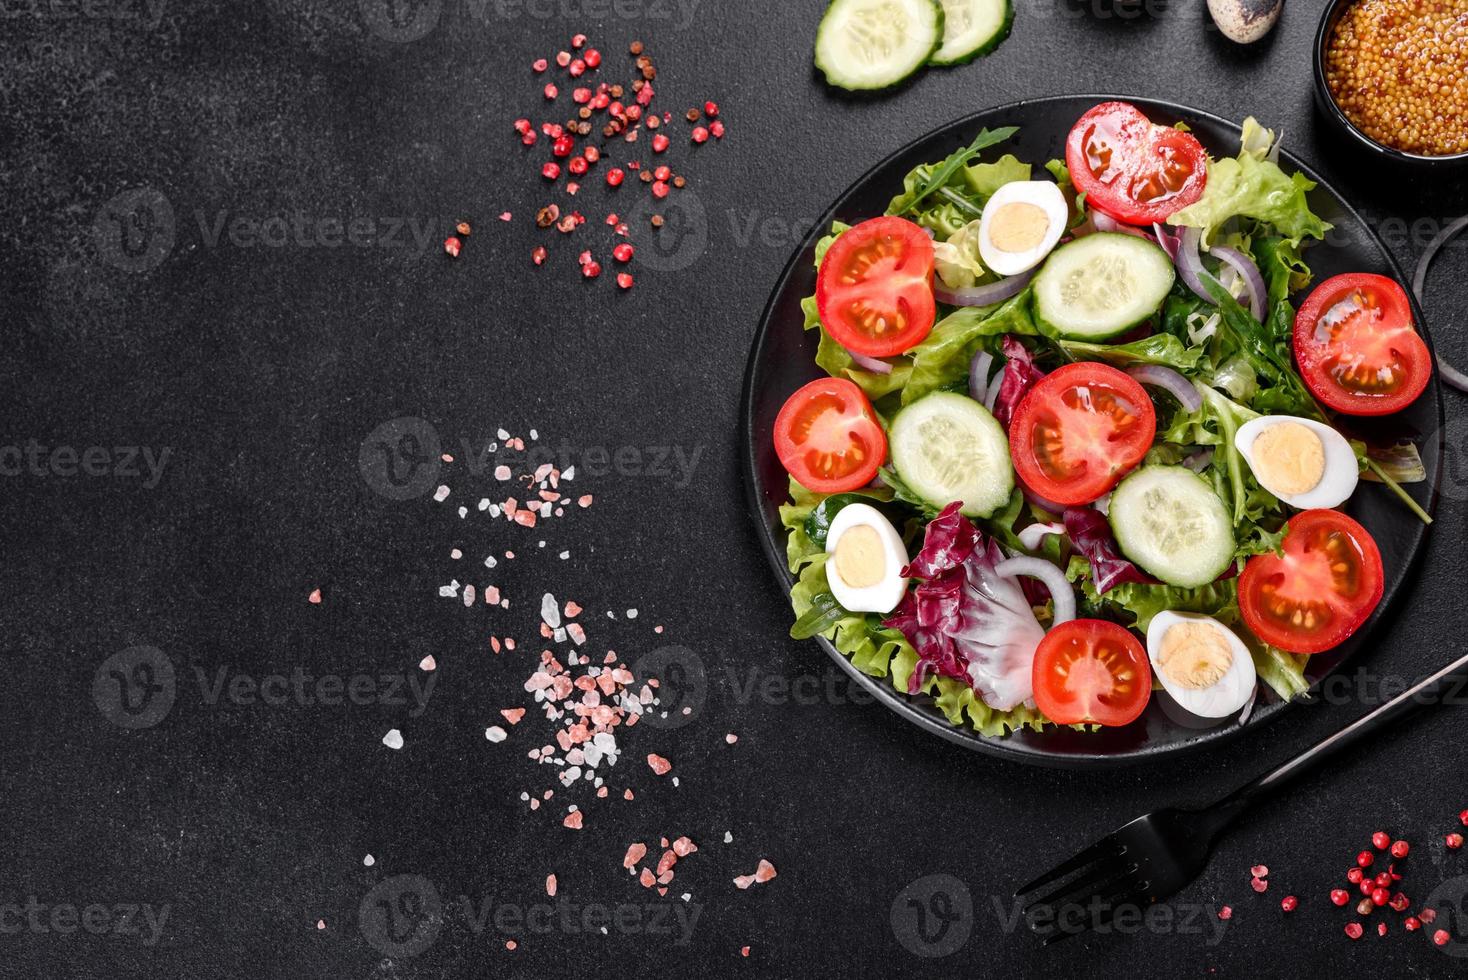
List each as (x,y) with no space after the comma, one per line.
(828,437)
(1327,583)
(1130,168)
(1356,346)
(1079,430)
(875,287)
(1089,671)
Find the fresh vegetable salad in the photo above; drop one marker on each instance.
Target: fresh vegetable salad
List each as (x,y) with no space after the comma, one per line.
(1078,448)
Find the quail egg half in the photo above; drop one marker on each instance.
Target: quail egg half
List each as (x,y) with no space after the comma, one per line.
(1201,663)
(1022,223)
(1304,463)
(867,557)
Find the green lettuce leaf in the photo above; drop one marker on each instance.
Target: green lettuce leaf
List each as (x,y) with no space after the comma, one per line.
(1253,187)
(957,260)
(986,178)
(1162,348)
(943,357)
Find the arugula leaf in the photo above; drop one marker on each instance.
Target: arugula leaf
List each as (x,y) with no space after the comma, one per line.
(924,181)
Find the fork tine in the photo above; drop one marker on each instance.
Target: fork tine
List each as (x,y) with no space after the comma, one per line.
(1096,879)
(1129,895)
(1090,855)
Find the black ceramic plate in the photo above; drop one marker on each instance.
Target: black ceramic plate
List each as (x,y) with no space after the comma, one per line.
(783,358)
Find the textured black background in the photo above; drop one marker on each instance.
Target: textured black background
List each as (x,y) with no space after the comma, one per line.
(264,369)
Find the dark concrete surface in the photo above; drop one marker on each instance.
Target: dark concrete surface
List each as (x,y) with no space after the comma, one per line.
(261,369)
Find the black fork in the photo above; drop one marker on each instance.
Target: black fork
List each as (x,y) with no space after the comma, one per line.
(1154,856)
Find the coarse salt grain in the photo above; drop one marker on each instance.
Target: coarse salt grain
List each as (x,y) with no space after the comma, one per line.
(441,494)
(315,597)
(393,739)
(495,733)
(550,885)
(428,664)
(658,764)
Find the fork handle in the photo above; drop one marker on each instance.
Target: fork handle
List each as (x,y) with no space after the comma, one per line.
(1367,725)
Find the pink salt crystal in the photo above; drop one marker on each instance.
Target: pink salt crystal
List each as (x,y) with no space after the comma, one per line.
(573,820)
(550,885)
(428,663)
(315,597)
(635,853)
(765,871)
(513,715)
(658,764)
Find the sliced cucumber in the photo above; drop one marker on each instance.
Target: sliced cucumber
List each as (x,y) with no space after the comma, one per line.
(972,28)
(1102,285)
(1169,521)
(947,447)
(872,44)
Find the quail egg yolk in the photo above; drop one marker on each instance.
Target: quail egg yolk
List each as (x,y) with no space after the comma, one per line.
(1018,227)
(1194,655)
(859,558)
(1289,458)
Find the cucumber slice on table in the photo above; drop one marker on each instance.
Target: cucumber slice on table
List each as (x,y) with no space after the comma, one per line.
(972,28)
(1169,521)
(948,447)
(1102,285)
(874,44)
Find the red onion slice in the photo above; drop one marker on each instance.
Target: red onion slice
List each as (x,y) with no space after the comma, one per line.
(1167,239)
(1053,578)
(1105,222)
(868,363)
(1190,264)
(1160,376)
(992,398)
(978,375)
(1034,535)
(985,295)
(1253,278)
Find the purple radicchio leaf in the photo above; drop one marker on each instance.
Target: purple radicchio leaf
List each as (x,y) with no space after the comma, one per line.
(964,620)
(1019,376)
(1092,537)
